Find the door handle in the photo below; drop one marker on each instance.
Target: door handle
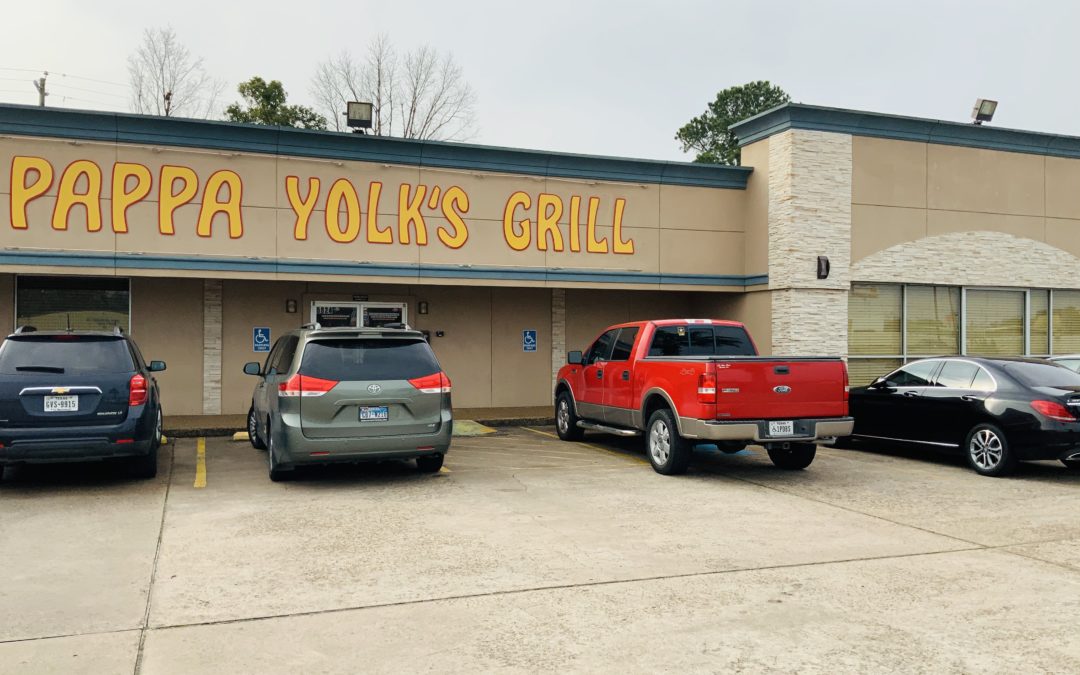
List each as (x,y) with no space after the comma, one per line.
(969,399)
(911,394)
(599,373)
(626,375)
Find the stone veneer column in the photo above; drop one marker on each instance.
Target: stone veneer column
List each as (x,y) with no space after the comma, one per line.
(809,215)
(212,293)
(558,332)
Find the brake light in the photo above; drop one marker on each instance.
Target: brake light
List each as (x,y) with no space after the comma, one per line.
(1053,410)
(305,385)
(137,390)
(436,383)
(706,388)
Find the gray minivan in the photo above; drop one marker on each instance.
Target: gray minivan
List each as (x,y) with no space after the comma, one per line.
(350,395)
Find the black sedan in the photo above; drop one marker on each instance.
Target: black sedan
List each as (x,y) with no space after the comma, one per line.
(996,411)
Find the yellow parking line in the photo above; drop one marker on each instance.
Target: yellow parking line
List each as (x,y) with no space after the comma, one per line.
(618,453)
(445,470)
(200,463)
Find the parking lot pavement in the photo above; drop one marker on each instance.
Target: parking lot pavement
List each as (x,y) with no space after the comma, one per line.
(527,553)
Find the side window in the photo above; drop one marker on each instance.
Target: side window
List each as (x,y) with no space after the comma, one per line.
(670,341)
(139,362)
(914,374)
(601,349)
(1071,364)
(272,356)
(983,381)
(957,374)
(624,344)
(285,357)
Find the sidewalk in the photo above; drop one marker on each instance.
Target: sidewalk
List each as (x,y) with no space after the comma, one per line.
(186,426)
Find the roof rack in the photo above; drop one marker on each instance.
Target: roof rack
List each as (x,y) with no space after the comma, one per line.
(117,330)
(25,329)
(314,325)
(396,326)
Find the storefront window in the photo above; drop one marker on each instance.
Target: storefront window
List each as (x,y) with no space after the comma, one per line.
(933,320)
(1066,322)
(874,319)
(1039,300)
(357,314)
(994,322)
(72,303)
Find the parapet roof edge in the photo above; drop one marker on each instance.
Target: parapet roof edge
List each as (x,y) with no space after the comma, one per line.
(899,127)
(22,120)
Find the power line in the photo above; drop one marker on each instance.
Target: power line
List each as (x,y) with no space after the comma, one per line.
(77,77)
(90,91)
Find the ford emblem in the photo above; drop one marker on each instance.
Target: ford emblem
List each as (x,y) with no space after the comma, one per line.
(782,389)
(374,388)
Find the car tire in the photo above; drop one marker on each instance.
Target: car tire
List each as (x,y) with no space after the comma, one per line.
(430,463)
(669,453)
(987,451)
(253,430)
(795,457)
(1071,464)
(145,466)
(566,419)
(278,472)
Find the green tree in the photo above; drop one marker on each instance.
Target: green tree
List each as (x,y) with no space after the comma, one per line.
(265,103)
(709,134)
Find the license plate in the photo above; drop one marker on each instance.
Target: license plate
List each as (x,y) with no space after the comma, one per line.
(378,413)
(781,428)
(61,404)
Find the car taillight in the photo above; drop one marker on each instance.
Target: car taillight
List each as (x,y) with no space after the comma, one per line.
(1053,410)
(305,385)
(137,390)
(436,383)
(706,388)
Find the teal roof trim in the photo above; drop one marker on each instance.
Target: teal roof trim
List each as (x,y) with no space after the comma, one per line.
(878,125)
(141,129)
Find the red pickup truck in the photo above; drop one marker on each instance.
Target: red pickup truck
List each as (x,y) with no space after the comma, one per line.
(687,381)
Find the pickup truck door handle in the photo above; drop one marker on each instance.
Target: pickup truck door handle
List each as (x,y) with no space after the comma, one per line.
(626,375)
(599,373)
(911,394)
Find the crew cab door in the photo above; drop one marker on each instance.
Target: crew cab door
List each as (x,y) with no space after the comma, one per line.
(590,400)
(618,381)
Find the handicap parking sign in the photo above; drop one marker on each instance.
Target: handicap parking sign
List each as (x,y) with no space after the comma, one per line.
(528,341)
(260,339)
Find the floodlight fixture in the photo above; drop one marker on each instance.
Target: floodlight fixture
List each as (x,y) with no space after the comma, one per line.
(984,110)
(358,114)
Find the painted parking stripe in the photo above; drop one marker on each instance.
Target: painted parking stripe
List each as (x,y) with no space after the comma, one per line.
(617,453)
(200,463)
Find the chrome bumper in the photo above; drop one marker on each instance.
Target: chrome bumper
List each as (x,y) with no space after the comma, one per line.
(757,430)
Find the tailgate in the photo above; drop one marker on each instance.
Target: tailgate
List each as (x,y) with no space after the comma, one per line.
(63,400)
(777,388)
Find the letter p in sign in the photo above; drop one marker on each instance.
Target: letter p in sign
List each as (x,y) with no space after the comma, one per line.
(260,339)
(528,341)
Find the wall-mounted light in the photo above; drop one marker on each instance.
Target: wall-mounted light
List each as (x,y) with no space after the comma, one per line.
(983,111)
(823,267)
(422,307)
(290,306)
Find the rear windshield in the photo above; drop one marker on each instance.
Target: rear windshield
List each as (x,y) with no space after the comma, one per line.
(1042,374)
(64,354)
(368,359)
(698,340)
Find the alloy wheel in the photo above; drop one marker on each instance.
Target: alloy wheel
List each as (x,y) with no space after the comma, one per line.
(562,418)
(660,442)
(986,449)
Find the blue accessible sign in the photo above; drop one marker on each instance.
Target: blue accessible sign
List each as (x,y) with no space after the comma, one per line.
(528,341)
(260,339)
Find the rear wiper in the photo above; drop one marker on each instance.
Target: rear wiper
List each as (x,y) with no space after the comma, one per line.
(41,369)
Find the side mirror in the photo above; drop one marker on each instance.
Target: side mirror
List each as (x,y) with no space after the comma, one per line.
(157,366)
(253,368)
(573,358)
(879,383)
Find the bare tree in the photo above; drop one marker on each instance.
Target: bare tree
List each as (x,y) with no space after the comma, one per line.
(421,95)
(166,79)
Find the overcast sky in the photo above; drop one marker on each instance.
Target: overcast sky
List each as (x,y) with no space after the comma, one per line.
(612,78)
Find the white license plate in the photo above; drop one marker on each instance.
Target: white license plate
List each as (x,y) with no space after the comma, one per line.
(61,404)
(379,413)
(781,428)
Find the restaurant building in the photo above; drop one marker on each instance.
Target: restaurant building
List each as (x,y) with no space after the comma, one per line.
(878,237)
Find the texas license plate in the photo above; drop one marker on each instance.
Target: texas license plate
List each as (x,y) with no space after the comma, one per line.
(61,404)
(781,428)
(377,413)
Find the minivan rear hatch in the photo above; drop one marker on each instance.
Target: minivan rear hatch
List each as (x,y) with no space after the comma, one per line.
(370,386)
(64,379)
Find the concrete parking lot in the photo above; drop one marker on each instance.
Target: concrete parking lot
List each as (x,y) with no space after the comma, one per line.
(528,554)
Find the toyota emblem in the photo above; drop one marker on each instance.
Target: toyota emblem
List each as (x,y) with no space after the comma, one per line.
(782,389)
(374,388)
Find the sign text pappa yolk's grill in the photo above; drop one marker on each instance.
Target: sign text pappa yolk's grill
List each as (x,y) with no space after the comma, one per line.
(349,212)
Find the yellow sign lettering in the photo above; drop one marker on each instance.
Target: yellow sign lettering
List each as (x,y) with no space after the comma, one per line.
(169,199)
(409,214)
(212,204)
(519,241)
(67,198)
(302,207)
(122,198)
(21,193)
(455,205)
(549,209)
(342,190)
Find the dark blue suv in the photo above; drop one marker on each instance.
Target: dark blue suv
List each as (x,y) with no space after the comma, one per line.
(74,396)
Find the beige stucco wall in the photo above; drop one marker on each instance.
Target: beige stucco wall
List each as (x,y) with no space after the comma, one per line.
(590,312)
(756,210)
(167,324)
(904,192)
(753,308)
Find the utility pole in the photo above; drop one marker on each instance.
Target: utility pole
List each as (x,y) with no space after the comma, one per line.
(40,86)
